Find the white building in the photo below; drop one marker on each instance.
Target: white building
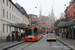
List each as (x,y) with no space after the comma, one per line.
(10,13)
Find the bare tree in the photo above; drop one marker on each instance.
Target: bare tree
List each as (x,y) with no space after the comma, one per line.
(62,18)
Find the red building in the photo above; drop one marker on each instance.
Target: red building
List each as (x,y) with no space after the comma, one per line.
(33,19)
(70,16)
(70,11)
(45,23)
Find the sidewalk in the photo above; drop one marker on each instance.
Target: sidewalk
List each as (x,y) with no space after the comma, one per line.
(71,42)
(4,44)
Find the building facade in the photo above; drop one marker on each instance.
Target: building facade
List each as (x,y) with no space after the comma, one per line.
(70,11)
(33,18)
(10,13)
(45,23)
(70,16)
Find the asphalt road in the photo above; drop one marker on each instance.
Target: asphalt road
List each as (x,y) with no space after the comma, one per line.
(42,44)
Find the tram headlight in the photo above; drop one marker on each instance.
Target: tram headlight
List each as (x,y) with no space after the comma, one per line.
(26,37)
(35,36)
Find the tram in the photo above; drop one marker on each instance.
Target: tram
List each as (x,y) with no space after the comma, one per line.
(33,33)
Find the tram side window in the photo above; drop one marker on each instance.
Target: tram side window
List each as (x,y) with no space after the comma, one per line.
(35,30)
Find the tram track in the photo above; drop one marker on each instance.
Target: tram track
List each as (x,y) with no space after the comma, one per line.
(22,46)
(27,46)
(19,46)
(40,45)
(10,46)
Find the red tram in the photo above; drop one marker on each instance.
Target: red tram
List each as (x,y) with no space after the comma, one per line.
(33,33)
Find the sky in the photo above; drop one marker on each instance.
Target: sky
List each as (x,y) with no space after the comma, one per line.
(44,5)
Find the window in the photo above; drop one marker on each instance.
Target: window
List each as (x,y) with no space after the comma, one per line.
(43,23)
(7,29)
(3,1)
(10,4)
(3,28)
(10,16)
(43,28)
(43,19)
(10,28)
(14,18)
(31,31)
(47,28)
(12,7)
(3,12)
(7,2)
(7,14)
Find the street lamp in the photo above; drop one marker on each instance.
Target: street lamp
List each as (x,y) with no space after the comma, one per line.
(64,4)
(35,7)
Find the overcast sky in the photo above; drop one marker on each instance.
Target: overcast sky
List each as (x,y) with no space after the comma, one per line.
(46,6)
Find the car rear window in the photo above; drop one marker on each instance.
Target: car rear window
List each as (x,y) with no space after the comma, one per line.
(50,35)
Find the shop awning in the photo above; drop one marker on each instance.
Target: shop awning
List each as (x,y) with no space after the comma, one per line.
(17,25)
(65,24)
(70,24)
(53,28)
(50,29)
(62,24)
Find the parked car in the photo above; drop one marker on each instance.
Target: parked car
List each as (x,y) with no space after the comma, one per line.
(51,37)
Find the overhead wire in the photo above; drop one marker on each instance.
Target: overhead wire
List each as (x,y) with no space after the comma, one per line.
(37,5)
(40,5)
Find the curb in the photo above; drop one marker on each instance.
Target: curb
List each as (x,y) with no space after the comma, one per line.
(66,44)
(5,48)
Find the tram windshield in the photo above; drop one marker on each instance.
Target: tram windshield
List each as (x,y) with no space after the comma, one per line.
(31,31)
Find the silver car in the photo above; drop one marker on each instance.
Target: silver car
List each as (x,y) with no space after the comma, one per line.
(51,37)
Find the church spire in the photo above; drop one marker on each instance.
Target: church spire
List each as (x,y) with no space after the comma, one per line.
(52,15)
(40,14)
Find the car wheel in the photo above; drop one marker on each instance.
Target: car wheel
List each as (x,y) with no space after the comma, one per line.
(55,40)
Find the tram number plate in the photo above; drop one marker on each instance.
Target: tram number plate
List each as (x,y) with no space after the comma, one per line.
(30,36)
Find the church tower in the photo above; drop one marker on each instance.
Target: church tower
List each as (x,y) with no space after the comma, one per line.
(52,16)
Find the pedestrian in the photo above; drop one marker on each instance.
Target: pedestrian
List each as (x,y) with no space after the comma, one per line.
(62,34)
(67,33)
(16,35)
(19,36)
(13,37)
